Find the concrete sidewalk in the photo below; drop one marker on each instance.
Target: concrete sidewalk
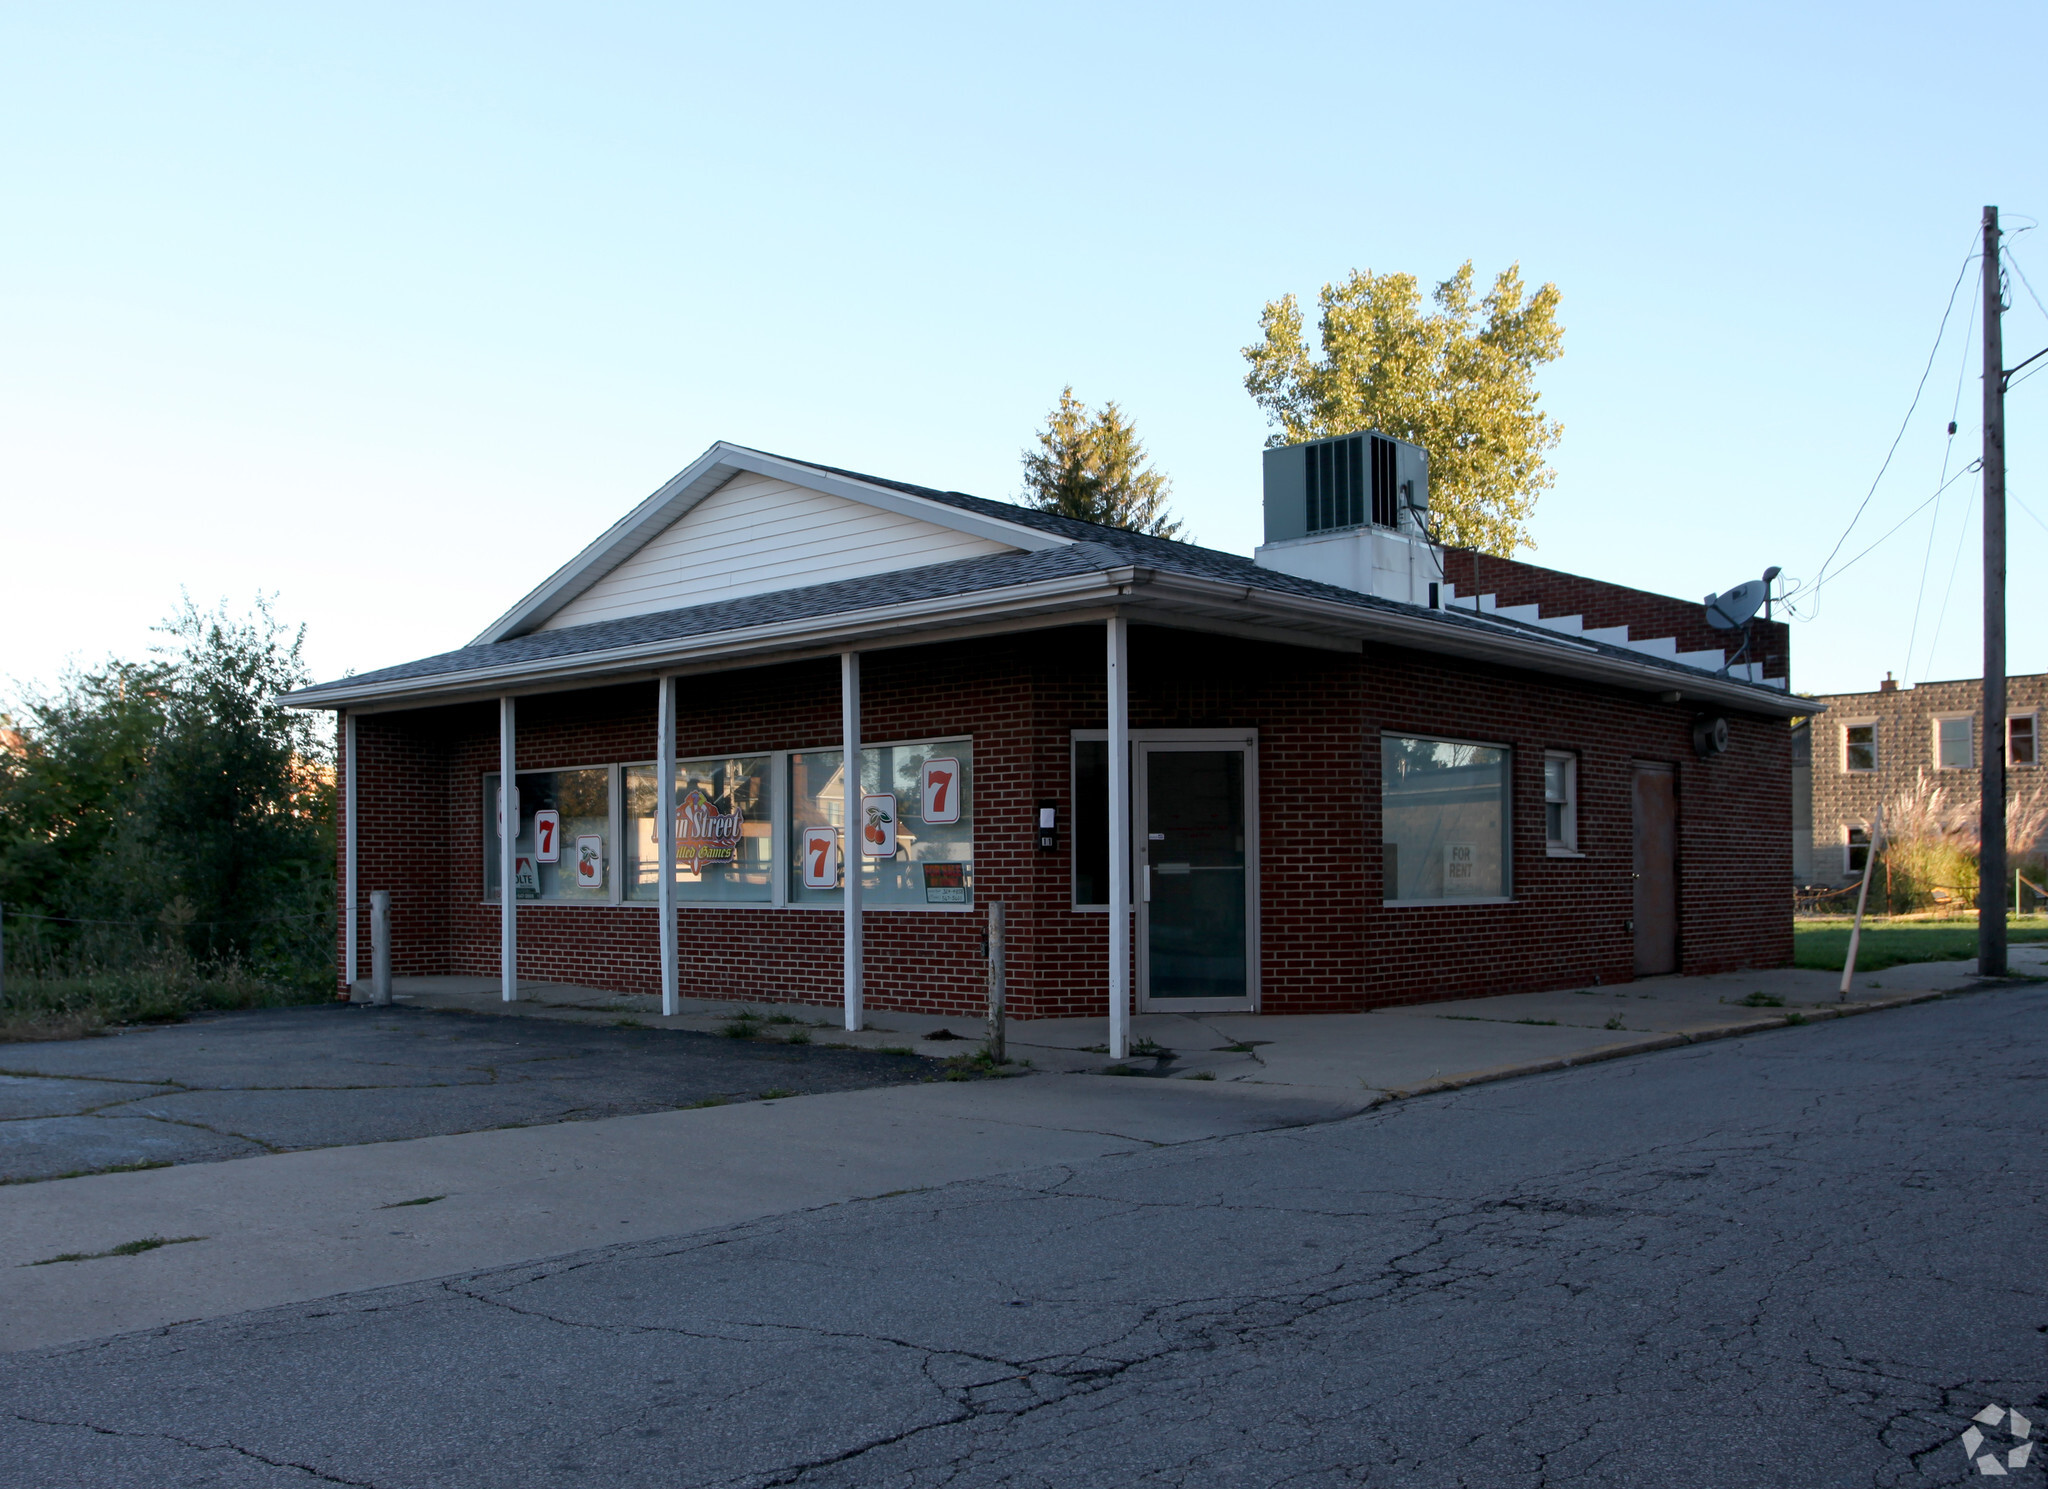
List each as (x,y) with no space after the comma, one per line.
(297,1226)
(1388,1052)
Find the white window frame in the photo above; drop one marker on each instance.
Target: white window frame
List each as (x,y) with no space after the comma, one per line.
(614,779)
(784,827)
(1568,845)
(1842,760)
(1935,724)
(1849,846)
(2034,717)
(1507,809)
(778,787)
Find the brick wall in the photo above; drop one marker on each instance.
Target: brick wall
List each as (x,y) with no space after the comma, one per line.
(1647,615)
(1327,942)
(1905,748)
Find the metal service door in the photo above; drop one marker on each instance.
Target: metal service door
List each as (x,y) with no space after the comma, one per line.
(1656,869)
(1196,871)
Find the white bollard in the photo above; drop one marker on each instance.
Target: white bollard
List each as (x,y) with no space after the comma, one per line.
(380,947)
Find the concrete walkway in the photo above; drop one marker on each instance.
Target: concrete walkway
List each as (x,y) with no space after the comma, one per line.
(297,1226)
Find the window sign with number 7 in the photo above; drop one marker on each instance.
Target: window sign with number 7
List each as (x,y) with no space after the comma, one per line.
(547,836)
(821,857)
(940,804)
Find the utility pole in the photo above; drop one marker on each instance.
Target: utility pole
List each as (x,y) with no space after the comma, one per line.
(1991,820)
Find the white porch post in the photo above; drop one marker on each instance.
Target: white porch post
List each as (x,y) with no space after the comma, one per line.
(850,840)
(665,838)
(1119,839)
(508,838)
(348,848)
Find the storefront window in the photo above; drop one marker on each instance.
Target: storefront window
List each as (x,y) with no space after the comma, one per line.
(724,835)
(562,850)
(1444,820)
(915,834)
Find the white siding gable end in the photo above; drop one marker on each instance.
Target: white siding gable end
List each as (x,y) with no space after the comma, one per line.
(756,534)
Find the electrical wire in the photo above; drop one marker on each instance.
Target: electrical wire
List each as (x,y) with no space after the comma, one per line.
(1948,310)
(1947,450)
(1969,469)
(1935,640)
(2030,512)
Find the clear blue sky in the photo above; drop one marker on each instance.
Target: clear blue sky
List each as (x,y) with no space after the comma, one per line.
(389,309)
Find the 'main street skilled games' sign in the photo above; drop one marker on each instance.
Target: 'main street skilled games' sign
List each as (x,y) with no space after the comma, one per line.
(704,836)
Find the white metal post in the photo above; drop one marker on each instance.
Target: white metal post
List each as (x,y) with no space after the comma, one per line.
(1119,839)
(850,840)
(348,850)
(665,838)
(508,838)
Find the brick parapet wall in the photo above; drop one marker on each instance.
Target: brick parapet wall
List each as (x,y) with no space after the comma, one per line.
(1647,615)
(1905,749)
(1327,943)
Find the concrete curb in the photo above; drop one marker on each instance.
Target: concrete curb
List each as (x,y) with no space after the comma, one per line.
(1701,1035)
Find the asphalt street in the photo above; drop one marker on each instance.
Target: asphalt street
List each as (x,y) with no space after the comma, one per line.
(1805,1257)
(234,1085)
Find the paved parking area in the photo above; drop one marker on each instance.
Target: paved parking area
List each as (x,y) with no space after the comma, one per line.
(278,1080)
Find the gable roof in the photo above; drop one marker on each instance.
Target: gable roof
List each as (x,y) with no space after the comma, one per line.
(1069,571)
(689,487)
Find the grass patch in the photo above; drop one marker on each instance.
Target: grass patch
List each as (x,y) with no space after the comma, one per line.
(1823,945)
(1760,1000)
(88,1173)
(126,1248)
(1148,1049)
(740,1026)
(707,1101)
(628,1024)
(776,1093)
(1550,1022)
(1613,1023)
(1121,1070)
(894,1049)
(797,1036)
(1201,1075)
(81,1003)
(405,1204)
(1795,1017)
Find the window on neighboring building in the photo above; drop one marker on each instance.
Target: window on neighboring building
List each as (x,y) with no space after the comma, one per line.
(725,843)
(1855,848)
(562,847)
(1953,743)
(915,837)
(1859,746)
(1443,820)
(1561,801)
(2020,739)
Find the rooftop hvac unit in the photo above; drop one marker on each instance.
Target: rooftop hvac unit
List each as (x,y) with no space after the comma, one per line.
(1354,480)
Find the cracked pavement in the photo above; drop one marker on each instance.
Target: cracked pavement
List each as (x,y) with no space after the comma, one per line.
(235,1085)
(1801,1258)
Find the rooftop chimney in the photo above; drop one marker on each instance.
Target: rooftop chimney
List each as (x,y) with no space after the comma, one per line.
(1888,685)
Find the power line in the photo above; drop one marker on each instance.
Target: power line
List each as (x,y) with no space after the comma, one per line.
(1966,470)
(1947,449)
(1961,538)
(1918,389)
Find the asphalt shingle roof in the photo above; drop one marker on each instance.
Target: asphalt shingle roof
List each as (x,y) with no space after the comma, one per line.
(1093,548)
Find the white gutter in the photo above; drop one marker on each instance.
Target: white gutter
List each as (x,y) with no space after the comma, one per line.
(1132,585)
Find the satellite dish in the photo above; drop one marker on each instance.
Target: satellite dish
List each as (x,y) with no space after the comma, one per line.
(1731,611)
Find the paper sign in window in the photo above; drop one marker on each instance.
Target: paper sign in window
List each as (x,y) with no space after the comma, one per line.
(878,825)
(525,878)
(547,836)
(945,883)
(821,857)
(589,861)
(940,804)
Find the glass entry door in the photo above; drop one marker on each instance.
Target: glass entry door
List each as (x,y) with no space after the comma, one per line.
(1194,859)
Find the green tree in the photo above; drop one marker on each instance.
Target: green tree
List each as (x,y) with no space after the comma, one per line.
(178,793)
(1460,381)
(1092,466)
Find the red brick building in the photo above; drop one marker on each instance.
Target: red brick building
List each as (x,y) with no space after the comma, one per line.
(1340,776)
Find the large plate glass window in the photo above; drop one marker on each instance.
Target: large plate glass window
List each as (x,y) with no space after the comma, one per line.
(1444,820)
(915,836)
(562,850)
(725,840)
(1090,835)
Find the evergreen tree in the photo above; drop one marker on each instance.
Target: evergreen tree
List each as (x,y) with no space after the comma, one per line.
(1092,466)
